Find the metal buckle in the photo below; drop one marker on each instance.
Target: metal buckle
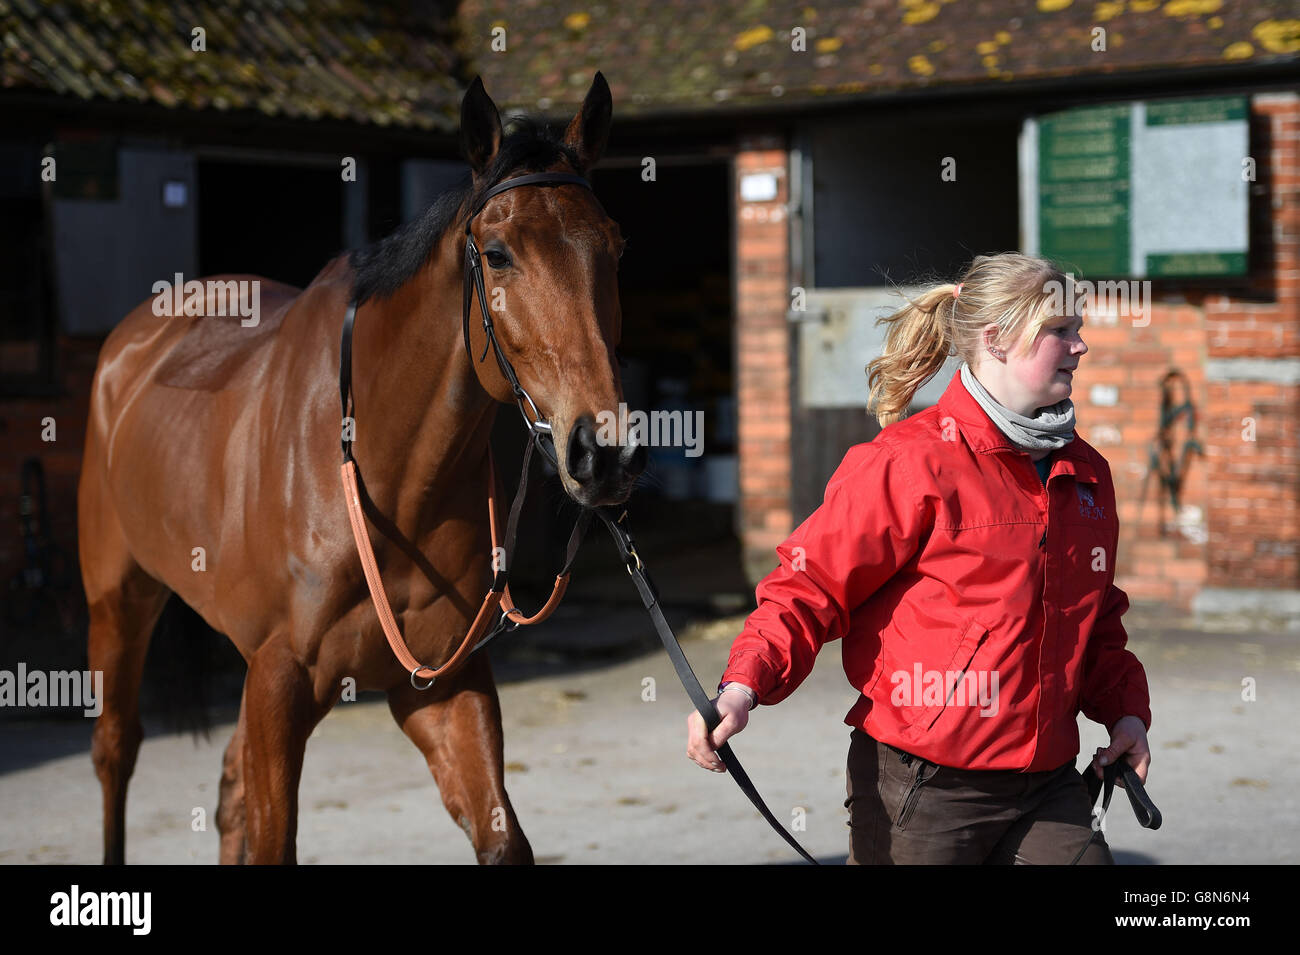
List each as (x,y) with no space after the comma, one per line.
(427,685)
(538,424)
(505,615)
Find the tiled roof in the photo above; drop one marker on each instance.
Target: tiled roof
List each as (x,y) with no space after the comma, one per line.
(399,63)
(389,64)
(668,55)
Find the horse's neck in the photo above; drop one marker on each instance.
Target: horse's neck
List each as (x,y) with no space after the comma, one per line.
(422,419)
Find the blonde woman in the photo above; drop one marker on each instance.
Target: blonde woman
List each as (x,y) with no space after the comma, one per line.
(966,558)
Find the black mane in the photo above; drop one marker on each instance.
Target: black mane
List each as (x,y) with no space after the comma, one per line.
(384,266)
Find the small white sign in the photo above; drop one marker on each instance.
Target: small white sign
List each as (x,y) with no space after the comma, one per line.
(758,187)
(176,194)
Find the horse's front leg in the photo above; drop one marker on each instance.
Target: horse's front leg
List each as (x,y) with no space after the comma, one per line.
(279,712)
(458,729)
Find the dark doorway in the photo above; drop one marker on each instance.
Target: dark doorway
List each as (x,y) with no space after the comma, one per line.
(675,290)
(279,221)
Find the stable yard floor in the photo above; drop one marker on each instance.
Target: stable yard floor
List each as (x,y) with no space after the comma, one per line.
(598,775)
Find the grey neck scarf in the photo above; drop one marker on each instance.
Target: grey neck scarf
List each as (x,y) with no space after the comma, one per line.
(1052,427)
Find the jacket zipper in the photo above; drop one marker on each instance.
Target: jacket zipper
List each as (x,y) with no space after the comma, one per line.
(1042,639)
(910,800)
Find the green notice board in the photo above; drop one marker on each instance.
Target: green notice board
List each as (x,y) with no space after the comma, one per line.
(1083,189)
(1140,189)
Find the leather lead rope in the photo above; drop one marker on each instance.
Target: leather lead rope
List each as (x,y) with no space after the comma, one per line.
(690,682)
(1148,816)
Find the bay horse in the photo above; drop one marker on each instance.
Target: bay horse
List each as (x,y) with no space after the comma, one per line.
(211,472)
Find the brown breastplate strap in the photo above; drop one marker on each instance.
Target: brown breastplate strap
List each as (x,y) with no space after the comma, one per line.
(491,602)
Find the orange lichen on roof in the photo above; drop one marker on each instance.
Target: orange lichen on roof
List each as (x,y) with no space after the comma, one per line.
(1051,6)
(920,65)
(753,37)
(1238,51)
(1107,10)
(919,11)
(1278,36)
(829,44)
(1191,8)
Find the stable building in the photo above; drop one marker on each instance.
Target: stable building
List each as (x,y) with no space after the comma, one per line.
(780,173)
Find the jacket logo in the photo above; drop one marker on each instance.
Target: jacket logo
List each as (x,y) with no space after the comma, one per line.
(1087,507)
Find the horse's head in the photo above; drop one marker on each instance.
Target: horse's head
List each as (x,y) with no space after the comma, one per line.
(549,258)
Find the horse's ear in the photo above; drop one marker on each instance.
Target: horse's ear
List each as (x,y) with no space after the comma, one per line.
(589,130)
(480,127)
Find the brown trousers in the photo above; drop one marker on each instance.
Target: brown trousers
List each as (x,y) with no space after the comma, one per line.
(906,811)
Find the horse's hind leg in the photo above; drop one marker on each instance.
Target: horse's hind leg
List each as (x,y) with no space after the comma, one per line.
(124,604)
(230,809)
(460,737)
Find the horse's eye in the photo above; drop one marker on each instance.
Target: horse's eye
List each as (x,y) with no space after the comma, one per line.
(498,260)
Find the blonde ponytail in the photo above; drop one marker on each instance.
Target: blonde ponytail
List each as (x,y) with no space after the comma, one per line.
(916,346)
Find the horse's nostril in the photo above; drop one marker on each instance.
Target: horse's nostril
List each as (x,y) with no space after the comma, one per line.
(590,462)
(584,452)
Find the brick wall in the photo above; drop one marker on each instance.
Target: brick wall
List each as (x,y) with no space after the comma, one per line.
(1238,529)
(1253,378)
(1161,550)
(762,362)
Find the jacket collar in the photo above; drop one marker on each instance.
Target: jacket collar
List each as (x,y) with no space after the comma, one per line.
(984,436)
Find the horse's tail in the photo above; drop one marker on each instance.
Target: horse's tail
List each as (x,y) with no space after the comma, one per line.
(178,676)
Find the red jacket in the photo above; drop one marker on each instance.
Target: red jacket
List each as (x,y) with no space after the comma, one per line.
(949,570)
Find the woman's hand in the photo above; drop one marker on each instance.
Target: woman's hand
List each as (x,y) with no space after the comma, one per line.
(733,707)
(1129,736)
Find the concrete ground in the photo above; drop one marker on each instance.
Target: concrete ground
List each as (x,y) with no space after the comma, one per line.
(599,775)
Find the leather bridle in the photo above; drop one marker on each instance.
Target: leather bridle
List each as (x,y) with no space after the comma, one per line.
(540,435)
(540,432)
(537,426)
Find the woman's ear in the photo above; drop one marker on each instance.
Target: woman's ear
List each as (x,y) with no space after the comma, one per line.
(990,336)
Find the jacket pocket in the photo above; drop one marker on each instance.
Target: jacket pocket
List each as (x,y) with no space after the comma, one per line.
(972,638)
